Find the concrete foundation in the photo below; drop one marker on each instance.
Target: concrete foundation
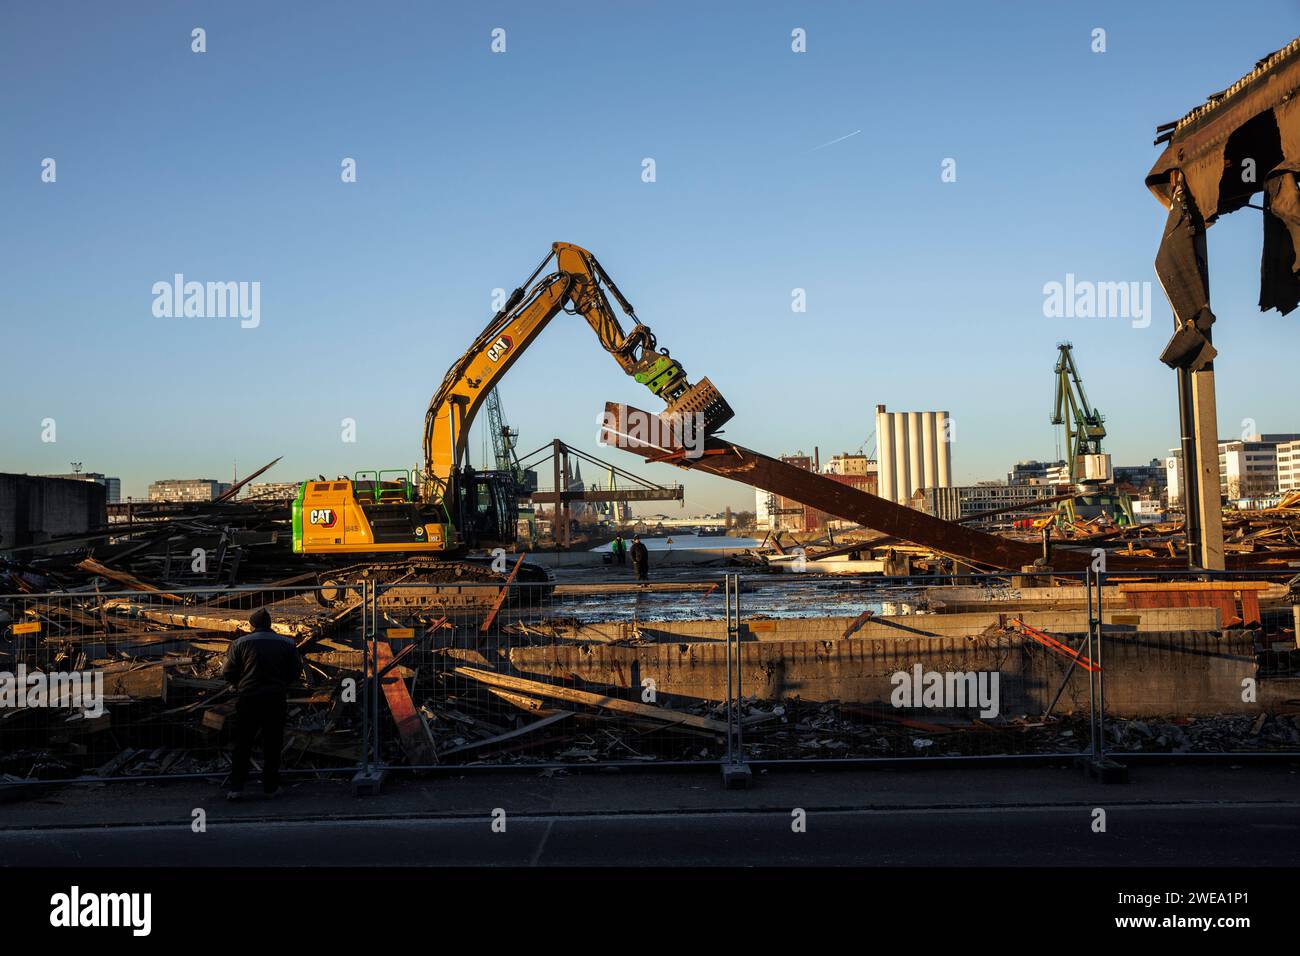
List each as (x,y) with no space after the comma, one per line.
(1151,674)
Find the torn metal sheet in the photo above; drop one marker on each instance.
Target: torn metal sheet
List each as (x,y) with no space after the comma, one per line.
(1243,140)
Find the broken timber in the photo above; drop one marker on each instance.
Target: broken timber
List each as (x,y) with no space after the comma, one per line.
(417,742)
(556,692)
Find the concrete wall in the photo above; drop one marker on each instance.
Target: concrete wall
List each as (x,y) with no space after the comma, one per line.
(900,625)
(1146,675)
(34,509)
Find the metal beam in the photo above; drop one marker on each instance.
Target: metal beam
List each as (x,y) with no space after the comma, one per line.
(675,493)
(753,468)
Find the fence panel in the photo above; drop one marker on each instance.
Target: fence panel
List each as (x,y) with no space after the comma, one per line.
(127,684)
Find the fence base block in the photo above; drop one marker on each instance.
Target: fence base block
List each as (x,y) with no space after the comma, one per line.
(737,776)
(1103,768)
(368,783)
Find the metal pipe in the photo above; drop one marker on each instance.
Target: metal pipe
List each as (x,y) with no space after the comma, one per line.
(1092,693)
(730,758)
(740,730)
(365,670)
(1101,672)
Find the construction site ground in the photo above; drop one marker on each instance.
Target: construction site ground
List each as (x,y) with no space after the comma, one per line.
(1209,813)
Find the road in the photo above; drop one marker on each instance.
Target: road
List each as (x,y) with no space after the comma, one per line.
(1189,835)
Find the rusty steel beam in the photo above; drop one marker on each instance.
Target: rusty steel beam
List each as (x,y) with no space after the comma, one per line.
(732,461)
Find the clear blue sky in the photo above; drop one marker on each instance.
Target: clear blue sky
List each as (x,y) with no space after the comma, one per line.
(921,294)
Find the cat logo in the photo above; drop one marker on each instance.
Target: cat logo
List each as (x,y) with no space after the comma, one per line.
(323,517)
(500,347)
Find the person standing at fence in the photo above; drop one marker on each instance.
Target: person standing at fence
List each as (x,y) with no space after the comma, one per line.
(640,559)
(260,666)
(619,547)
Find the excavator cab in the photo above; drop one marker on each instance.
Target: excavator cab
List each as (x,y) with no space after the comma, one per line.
(380,511)
(488,507)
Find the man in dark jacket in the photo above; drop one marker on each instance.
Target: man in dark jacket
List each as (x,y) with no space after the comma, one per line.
(640,558)
(261,666)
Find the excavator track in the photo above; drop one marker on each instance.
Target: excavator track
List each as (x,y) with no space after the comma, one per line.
(465,585)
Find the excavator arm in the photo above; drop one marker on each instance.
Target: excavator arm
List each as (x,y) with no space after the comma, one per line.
(578,284)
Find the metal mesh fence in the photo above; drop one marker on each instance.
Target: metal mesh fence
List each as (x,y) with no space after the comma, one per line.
(546,673)
(750,668)
(127,684)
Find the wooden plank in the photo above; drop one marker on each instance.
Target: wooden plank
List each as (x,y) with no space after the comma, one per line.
(522,701)
(511,735)
(416,741)
(556,692)
(91,566)
(501,598)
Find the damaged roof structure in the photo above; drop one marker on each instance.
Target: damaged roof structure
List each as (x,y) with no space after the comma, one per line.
(1243,140)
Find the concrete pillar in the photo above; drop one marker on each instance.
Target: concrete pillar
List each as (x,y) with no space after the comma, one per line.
(929,450)
(902,475)
(1209,486)
(944,469)
(884,453)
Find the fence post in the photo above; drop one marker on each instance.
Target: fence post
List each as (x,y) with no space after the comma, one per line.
(736,774)
(1098,764)
(369,777)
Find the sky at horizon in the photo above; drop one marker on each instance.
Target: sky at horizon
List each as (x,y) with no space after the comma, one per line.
(775,171)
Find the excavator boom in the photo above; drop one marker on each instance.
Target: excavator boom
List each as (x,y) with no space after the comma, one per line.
(451,508)
(578,284)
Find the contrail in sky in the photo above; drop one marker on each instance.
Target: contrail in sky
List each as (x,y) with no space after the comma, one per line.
(834,141)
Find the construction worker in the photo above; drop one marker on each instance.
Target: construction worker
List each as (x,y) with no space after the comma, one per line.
(619,547)
(261,666)
(640,558)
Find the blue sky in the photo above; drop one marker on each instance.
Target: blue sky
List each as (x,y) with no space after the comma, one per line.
(225,166)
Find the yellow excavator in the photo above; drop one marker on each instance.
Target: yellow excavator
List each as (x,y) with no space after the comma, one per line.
(422,522)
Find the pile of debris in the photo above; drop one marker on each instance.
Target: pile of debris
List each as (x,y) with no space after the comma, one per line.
(1224,734)
(149,698)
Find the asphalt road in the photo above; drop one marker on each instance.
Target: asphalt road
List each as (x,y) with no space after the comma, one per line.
(1247,834)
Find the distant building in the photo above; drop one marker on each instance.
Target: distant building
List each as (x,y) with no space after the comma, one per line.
(1149,478)
(1288,466)
(187,489)
(1032,472)
(112,486)
(271,490)
(1247,468)
(847,464)
(970,501)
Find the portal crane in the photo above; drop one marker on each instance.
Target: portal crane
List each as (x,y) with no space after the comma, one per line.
(1084,428)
